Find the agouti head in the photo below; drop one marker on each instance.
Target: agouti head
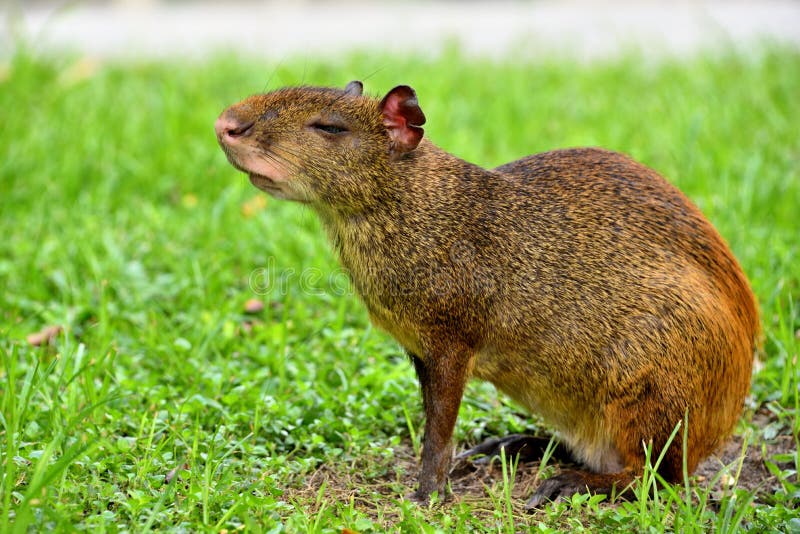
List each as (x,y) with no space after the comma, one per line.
(321,146)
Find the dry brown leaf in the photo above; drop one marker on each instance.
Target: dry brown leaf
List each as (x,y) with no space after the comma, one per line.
(254,306)
(174,471)
(46,335)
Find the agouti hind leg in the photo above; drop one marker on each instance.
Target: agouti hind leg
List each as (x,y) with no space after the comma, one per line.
(517,446)
(569,482)
(565,484)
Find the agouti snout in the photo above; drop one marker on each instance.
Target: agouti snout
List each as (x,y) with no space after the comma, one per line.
(605,302)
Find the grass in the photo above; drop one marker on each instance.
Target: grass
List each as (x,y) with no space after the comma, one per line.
(163,405)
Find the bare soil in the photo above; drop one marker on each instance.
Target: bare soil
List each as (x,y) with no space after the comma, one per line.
(374,484)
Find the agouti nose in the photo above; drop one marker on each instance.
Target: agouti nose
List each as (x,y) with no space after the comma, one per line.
(229,128)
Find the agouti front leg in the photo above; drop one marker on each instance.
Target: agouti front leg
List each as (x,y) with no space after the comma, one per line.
(442,379)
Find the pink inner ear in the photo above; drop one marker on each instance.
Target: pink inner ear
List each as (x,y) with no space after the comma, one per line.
(394,120)
(402,118)
(391,114)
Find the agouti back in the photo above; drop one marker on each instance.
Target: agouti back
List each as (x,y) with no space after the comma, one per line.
(579,282)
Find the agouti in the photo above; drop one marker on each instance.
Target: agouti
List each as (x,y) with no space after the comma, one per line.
(579,282)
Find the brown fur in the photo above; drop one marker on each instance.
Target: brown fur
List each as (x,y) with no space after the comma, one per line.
(579,282)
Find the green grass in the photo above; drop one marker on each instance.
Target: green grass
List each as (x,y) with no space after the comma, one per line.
(163,406)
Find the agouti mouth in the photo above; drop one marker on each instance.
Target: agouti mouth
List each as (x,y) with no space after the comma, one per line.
(262,182)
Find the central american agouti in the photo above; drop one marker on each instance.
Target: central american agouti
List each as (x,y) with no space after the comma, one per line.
(579,282)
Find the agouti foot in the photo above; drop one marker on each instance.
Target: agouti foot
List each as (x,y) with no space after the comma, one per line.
(423,499)
(564,485)
(528,448)
(416,498)
(569,482)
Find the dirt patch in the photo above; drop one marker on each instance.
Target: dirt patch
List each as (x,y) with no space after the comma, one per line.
(374,484)
(720,469)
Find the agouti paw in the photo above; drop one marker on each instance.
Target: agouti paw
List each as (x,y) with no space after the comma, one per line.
(423,499)
(562,486)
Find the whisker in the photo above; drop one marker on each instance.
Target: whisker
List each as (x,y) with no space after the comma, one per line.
(283,151)
(272,74)
(376,71)
(280,160)
(288,150)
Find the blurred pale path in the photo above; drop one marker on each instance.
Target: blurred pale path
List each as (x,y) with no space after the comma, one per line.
(583,29)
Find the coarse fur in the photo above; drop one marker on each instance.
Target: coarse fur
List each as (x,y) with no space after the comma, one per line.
(579,282)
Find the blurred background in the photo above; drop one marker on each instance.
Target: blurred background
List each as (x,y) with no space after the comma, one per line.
(275,30)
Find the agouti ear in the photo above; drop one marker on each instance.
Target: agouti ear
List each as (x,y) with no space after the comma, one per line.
(354,88)
(403,119)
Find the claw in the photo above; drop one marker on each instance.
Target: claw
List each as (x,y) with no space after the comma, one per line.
(564,485)
(570,482)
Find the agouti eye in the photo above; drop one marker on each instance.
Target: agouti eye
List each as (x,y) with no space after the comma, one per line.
(329,128)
